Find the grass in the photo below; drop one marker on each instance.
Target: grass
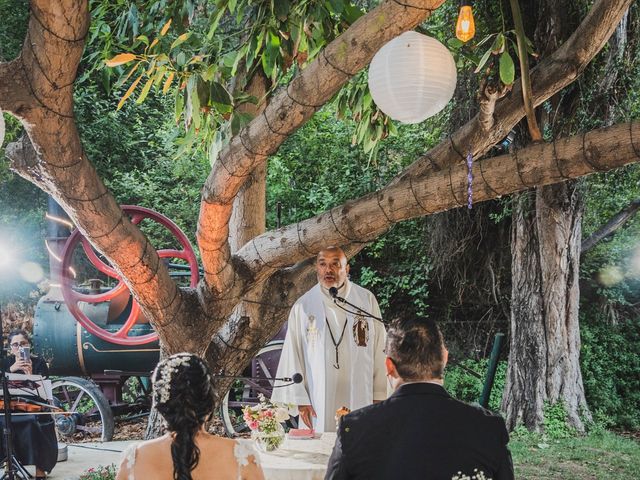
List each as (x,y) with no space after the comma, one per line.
(602,455)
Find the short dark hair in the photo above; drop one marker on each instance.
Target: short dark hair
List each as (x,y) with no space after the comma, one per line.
(416,348)
(17,332)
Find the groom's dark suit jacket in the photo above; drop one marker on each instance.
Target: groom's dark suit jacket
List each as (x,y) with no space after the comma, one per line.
(420,432)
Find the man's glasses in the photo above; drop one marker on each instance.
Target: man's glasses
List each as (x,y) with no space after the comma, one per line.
(21,344)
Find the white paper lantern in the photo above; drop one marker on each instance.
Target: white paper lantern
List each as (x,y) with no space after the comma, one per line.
(412,77)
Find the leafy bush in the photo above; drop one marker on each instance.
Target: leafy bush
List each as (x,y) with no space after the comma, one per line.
(463,385)
(610,362)
(555,422)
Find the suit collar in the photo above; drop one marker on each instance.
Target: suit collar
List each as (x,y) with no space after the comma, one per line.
(420,388)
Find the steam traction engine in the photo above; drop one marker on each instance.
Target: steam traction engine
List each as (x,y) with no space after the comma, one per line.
(94,336)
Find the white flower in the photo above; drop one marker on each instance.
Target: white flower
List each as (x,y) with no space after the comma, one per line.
(282,415)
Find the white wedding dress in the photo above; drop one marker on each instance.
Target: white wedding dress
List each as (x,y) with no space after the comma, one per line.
(242,450)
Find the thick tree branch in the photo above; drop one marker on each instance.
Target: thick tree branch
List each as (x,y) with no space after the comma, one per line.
(14,95)
(289,109)
(488,95)
(547,78)
(542,164)
(611,226)
(53,159)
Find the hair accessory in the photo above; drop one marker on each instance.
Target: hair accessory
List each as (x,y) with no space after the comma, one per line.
(162,375)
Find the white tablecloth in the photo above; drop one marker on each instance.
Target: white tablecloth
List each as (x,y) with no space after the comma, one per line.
(299,459)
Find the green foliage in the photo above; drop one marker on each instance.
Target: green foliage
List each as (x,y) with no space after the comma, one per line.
(467,387)
(133,150)
(212,47)
(15,15)
(396,267)
(610,362)
(318,168)
(555,421)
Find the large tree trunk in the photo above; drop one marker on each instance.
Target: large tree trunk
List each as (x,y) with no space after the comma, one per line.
(544,359)
(545,337)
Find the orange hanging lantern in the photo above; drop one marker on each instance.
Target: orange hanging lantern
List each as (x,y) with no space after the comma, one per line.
(466,27)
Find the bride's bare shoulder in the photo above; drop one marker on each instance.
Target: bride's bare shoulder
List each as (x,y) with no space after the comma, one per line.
(215,441)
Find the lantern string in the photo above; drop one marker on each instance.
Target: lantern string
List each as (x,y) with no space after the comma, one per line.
(469,180)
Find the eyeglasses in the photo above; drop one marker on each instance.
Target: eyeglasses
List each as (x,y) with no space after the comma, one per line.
(21,344)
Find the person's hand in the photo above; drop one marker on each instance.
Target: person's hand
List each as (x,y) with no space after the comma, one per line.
(306,412)
(28,367)
(20,364)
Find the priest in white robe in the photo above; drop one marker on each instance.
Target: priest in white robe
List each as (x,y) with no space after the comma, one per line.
(340,354)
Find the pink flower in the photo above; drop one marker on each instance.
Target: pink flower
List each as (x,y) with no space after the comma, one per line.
(253,425)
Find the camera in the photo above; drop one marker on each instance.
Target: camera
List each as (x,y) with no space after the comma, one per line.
(25,354)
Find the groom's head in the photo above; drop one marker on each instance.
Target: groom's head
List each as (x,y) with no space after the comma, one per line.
(415,351)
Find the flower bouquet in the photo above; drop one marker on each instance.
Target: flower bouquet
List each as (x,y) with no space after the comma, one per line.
(265,421)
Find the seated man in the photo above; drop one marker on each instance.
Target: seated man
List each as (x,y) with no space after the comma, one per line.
(34,436)
(419,432)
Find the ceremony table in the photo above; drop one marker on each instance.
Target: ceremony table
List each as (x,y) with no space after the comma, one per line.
(299,459)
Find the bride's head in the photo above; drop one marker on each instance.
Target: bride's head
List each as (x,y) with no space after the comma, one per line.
(183,395)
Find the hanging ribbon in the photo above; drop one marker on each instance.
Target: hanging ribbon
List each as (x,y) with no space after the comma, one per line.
(469,180)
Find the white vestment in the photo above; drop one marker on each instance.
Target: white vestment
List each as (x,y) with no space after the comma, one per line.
(308,349)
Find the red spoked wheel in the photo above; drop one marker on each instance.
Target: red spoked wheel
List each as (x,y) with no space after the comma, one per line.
(73,298)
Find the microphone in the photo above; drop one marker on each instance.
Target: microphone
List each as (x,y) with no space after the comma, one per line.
(333,291)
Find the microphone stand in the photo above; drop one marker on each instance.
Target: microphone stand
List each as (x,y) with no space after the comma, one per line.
(296,378)
(333,291)
(13,468)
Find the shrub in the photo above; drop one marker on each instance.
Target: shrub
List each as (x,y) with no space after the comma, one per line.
(465,386)
(610,362)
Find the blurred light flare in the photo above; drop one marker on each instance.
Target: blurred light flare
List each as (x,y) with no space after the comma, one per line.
(611,275)
(31,272)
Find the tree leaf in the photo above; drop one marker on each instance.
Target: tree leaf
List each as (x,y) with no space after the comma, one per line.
(167,82)
(483,60)
(498,44)
(179,105)
(337,6)
(507,68)
(120,59)
(129,91)
(219,94)
(145,91)
(455,43)
(281,9)
(351,13)
(165,28)
(181,39)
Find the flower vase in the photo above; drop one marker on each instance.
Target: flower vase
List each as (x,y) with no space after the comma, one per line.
(268,441)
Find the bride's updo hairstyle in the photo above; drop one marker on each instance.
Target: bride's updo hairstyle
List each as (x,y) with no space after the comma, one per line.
(183,395)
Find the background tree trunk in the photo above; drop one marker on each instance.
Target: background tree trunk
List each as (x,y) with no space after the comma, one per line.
(545,336)
(544,359)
